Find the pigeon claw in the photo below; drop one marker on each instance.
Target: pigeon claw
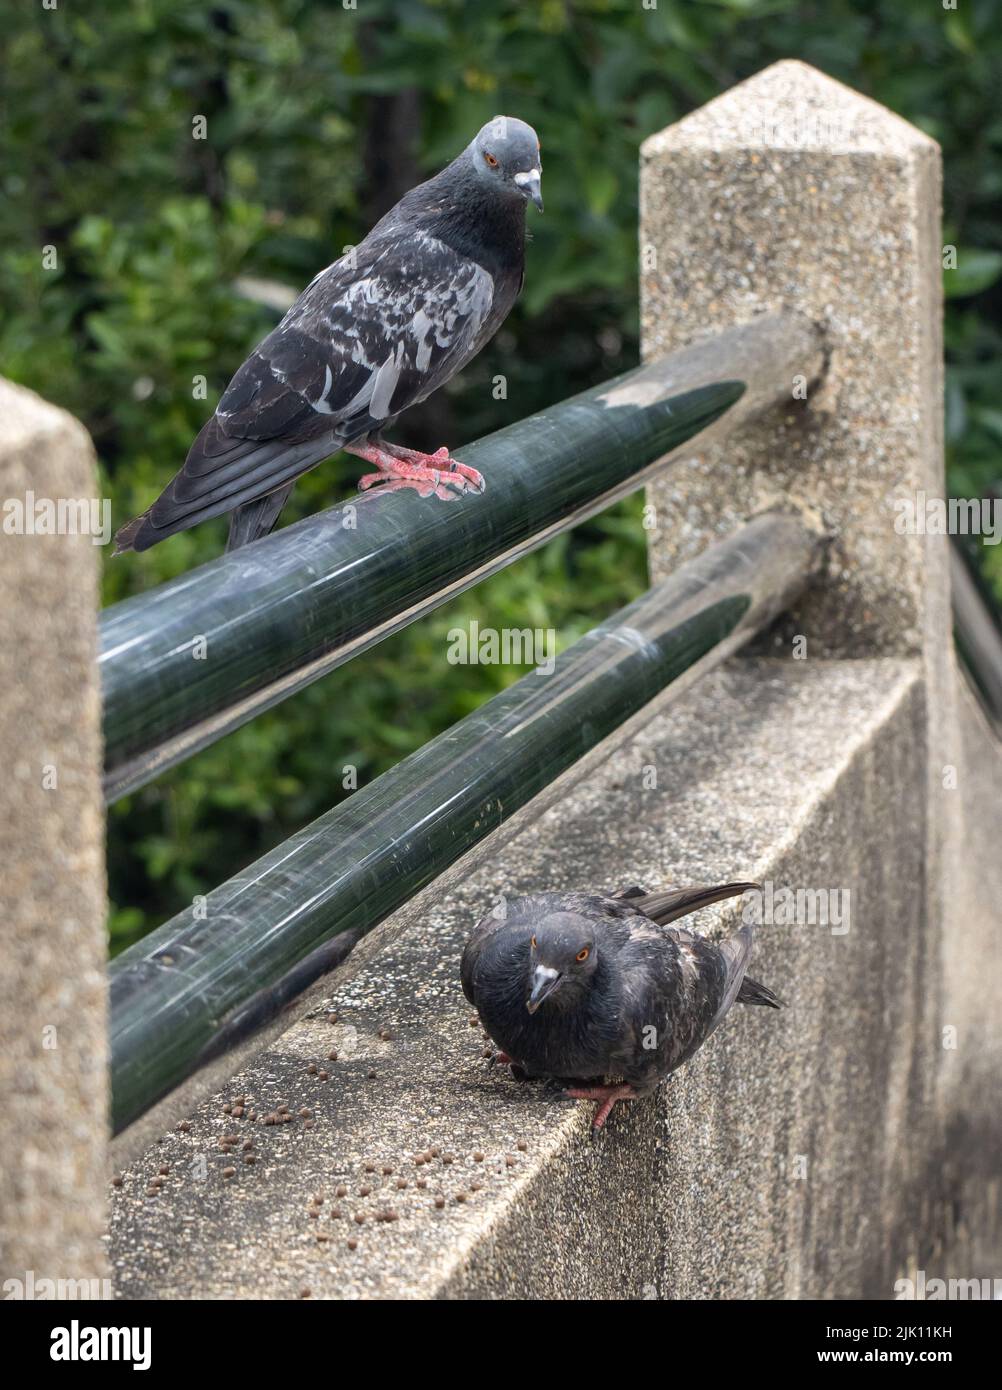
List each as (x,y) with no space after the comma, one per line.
(605,1096)
(435,474)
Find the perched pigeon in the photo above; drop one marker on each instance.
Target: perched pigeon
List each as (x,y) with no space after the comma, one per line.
(374,333)
(600,989)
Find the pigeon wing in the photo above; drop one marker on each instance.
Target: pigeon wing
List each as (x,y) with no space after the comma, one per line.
(673,903)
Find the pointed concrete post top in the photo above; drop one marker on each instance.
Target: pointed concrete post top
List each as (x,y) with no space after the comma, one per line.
(791,106)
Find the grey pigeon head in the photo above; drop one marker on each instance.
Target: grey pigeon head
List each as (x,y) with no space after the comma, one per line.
(562,959)
(506,157)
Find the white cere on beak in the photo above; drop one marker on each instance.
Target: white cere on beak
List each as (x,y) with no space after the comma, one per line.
(532,176)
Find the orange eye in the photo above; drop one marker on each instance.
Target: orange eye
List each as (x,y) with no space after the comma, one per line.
(582,955)
(490,160)
(532,942)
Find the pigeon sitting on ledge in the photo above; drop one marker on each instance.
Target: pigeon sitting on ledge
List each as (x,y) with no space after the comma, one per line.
(374,333)
(601,991)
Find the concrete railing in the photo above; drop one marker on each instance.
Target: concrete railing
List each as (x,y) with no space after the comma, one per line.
(828,1150)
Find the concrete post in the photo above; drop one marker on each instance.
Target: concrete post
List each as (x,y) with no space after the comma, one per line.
(791,192)
(53,1026)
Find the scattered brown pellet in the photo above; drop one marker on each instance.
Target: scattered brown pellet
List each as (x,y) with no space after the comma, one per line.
(227,1109)
(164,1169)
(307,1124)
(434,1151)
(478,1157)
(247,1144)
(313,1213)
(332,1018)
(323,1075)
(392,1215)
(238,1112)
(335,1213)
(460,1196)
(250,1158)
(371,1075)
(282,1109)
(305,1293)
(184,1126)
(447,1158)
(353,1244)
(419,1159)
(440,1202)
(487,1053)
(473,1021)
(232,1138)
(317,1199)
(117,1180)
(322,1236)
(229,1172)
(475,1186)
(312,1069)
(370,1167)
(340,1190)
(401,1183)
(522,1145)
(364,1191)
(422,1182)
(270,1120)
(387,1170)
(509,1160)
(359,1217)
(385,1034)
(305,1114)
(332,1055)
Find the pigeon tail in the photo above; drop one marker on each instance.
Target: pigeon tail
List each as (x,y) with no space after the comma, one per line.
(256,519)
(126,535)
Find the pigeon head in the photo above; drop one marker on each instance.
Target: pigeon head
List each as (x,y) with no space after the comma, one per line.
(562,959)
(506,159)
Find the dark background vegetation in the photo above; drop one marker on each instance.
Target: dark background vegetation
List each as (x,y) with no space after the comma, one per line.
(318,119)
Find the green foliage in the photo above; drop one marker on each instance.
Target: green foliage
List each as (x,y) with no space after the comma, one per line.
(302,104)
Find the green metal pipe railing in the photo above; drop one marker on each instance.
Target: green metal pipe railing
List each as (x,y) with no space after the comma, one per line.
(274,616)
(206,981)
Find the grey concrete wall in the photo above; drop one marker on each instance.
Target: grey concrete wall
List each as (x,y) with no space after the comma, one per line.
(53,951)
(789,1159)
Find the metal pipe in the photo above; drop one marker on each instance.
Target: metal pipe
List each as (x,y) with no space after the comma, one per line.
(210,979)
(977,634)
(197,657)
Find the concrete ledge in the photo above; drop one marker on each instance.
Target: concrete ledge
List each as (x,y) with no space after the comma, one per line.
(794,1157)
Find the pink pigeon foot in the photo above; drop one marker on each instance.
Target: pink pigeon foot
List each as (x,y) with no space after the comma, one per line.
(606,1097)
(427,474)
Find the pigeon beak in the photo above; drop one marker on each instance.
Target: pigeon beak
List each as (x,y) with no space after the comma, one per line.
(529,183)
(544,982)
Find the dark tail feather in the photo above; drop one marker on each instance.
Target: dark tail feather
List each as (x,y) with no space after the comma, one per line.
(126,535)
(751,992)
(255,519)
(679,902)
